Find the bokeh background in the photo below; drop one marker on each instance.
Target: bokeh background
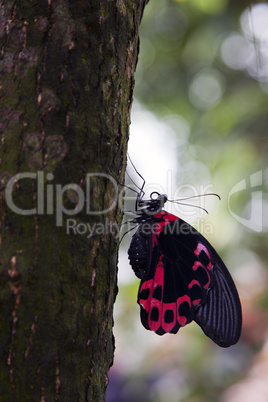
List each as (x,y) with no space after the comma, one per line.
(200,124)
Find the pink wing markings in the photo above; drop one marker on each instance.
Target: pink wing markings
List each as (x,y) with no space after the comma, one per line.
(201,247)
(198,265)
(167,315)
(159,226)
(182,320)
(168,308)
(191,284)
(152,304)
(156,309)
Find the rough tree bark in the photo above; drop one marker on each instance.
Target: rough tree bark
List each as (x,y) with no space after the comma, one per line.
(66,72)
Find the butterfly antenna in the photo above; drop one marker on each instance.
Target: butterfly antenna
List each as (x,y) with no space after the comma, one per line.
(143,184)
(189,205)
(180,201)
(195,196)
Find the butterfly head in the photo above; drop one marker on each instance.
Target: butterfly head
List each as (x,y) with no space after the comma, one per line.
(154,204)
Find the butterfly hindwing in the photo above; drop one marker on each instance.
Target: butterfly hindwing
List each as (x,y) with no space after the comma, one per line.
(186,280)
(165,306)
(220,317)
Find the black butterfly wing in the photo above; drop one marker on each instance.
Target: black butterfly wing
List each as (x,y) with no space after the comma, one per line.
(221,317)
(176,279)
(165,300)
(186,280)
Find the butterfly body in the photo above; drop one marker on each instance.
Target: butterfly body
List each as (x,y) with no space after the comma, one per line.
(182,277)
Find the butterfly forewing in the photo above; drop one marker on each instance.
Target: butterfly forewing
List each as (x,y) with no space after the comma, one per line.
(186,280)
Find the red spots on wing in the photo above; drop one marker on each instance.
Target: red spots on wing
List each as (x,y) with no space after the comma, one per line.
(159,272)
(182,320)
(152,304)
(164,219)
(145,294)
(162,315)
(154,238)
(157,229)
(169,317)
(201,247)
(167,217)
(198,264)
(194,282)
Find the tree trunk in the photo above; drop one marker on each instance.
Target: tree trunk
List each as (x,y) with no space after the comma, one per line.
(66,72)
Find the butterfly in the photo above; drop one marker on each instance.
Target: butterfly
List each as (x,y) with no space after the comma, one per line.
(183,278)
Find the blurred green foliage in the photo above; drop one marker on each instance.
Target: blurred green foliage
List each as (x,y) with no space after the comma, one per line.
(207,62)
